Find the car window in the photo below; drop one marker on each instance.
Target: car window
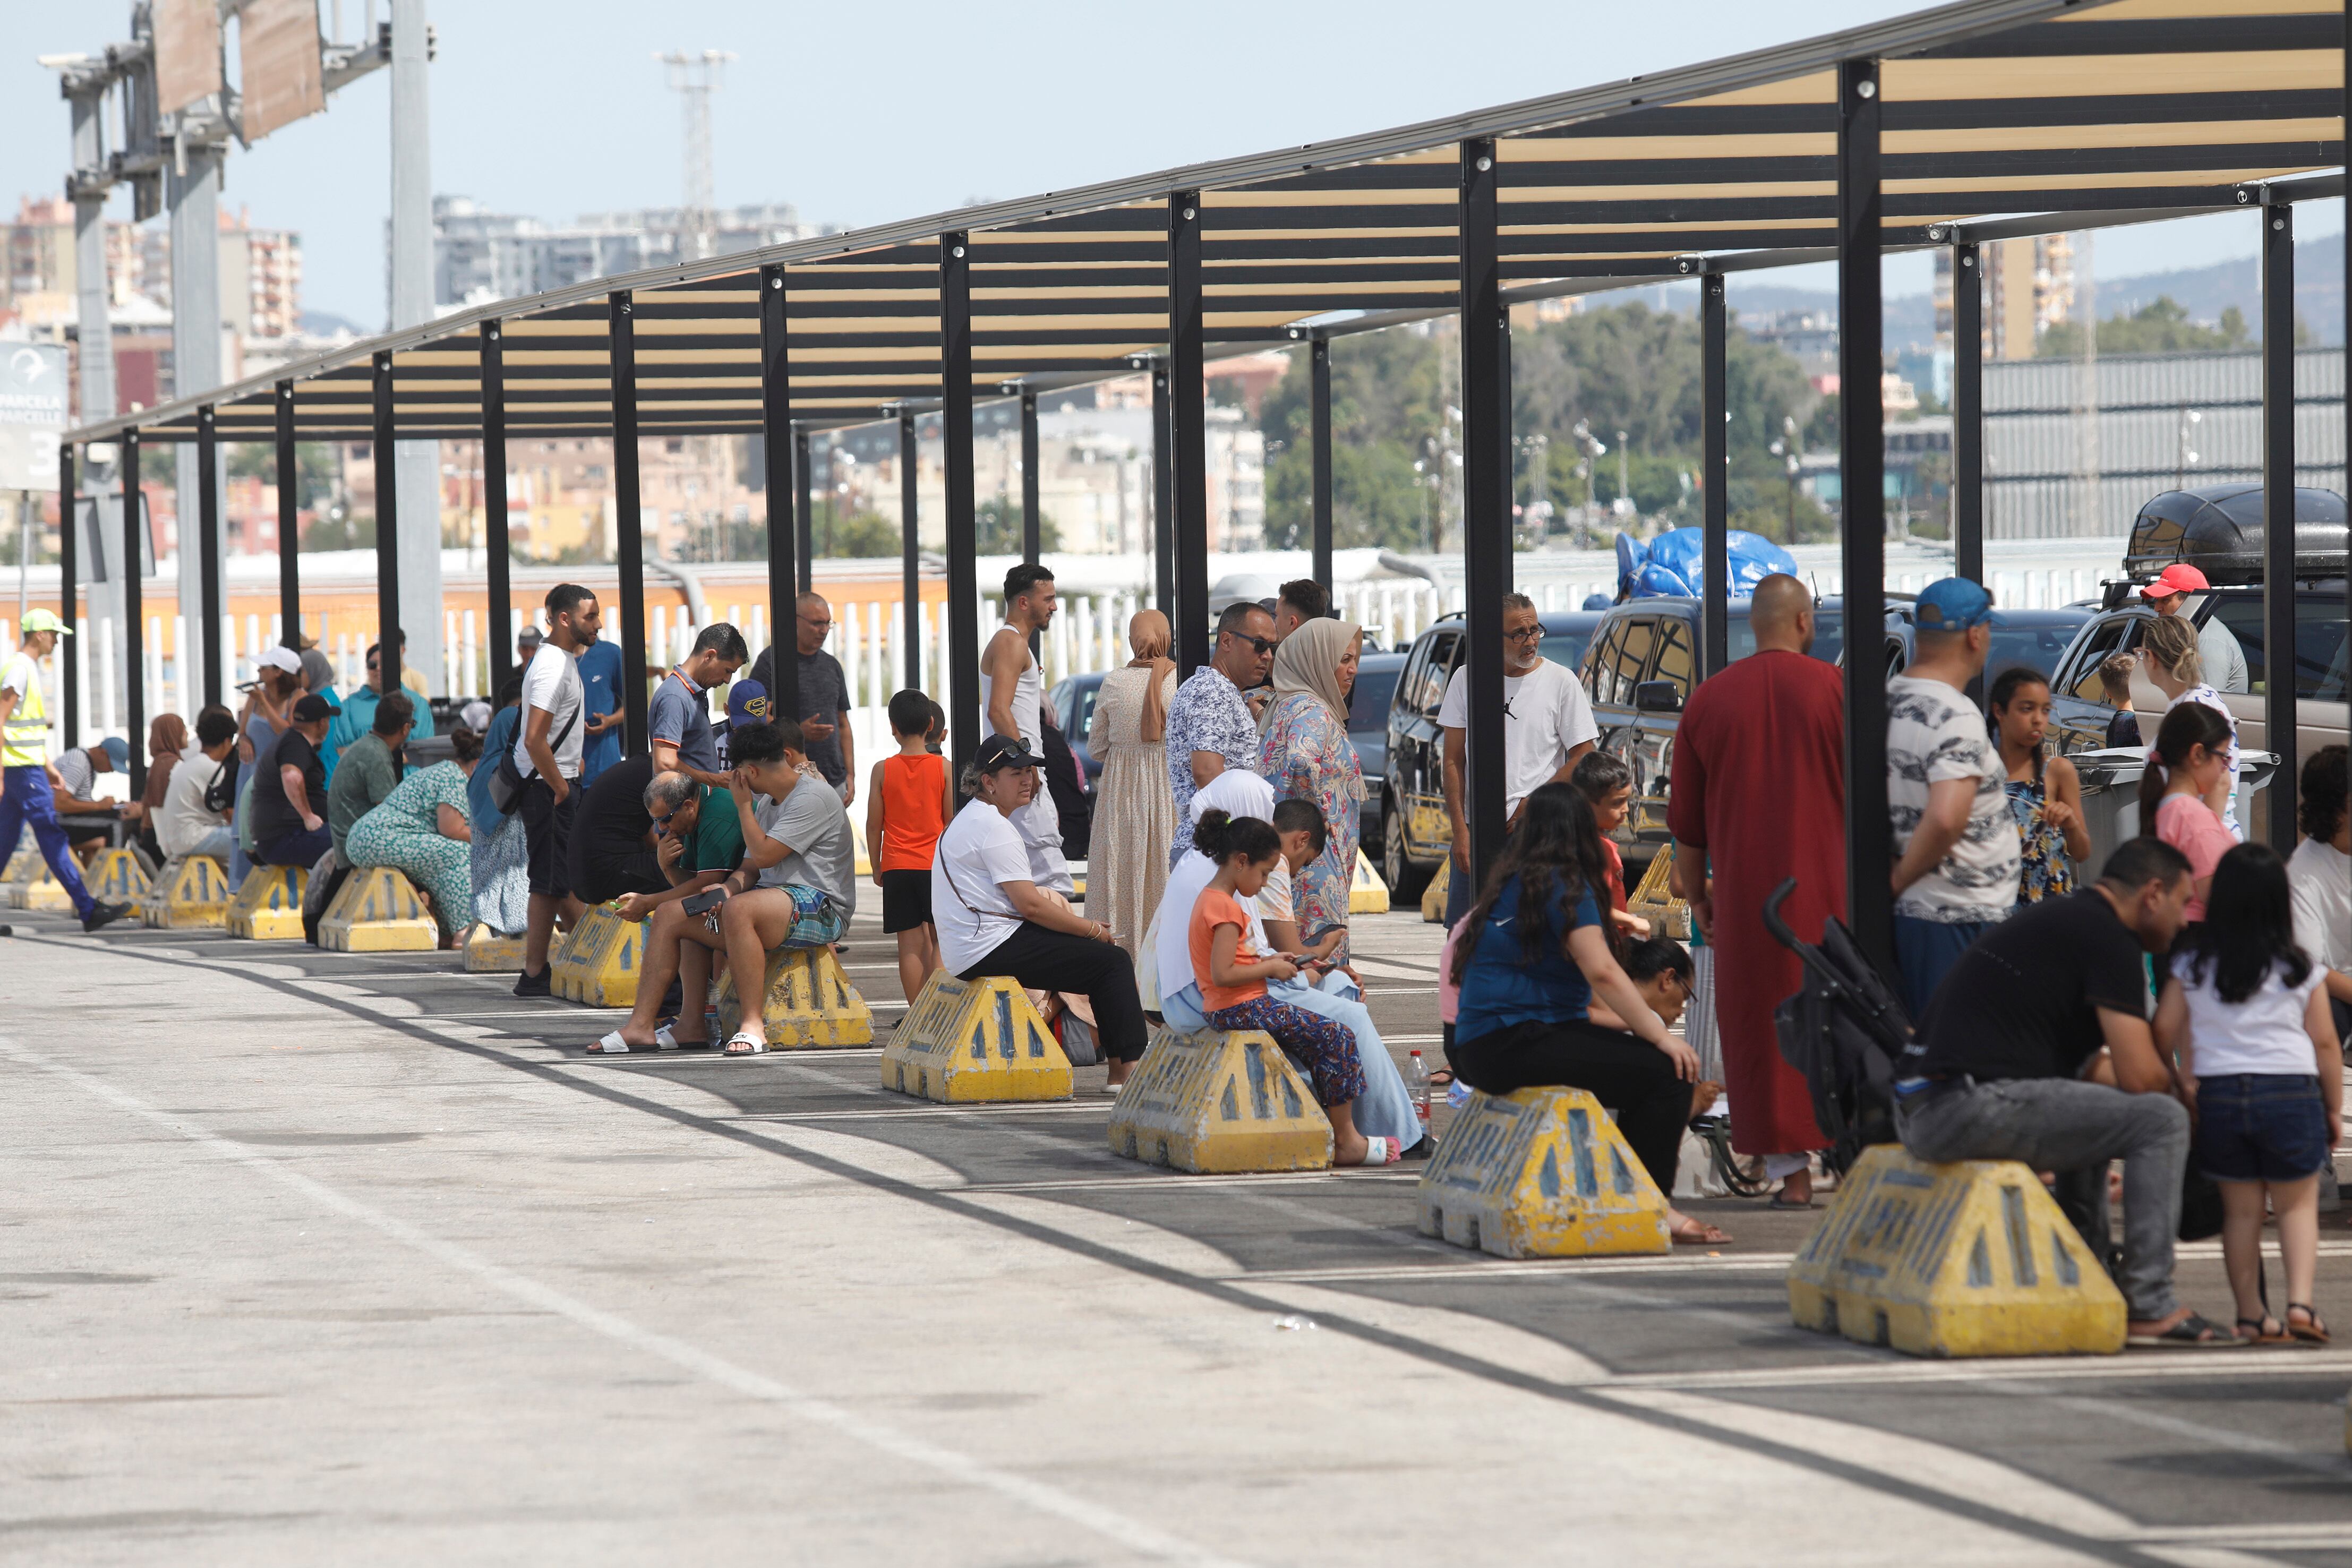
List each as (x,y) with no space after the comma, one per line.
(1629,660)
(1082,710)
(2036,647)
(1604,650)
(2082,678)
(2319,635)
(1367,704)
(1428,689)
(1565,649)
(1674,662)
(1827,636)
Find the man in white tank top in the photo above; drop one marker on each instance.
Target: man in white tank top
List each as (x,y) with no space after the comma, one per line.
(1015,692)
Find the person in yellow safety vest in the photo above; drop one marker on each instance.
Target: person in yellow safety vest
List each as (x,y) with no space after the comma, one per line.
(27,799)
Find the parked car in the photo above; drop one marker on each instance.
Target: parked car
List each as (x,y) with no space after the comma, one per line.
(1414,830)
(1368,729)
(2036,639)
(1072,702)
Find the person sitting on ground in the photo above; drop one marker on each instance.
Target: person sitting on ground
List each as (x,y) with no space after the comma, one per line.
(992,920)
(1233,976)
(908,804)
(2115,683)
(2190,759)
(420,830)
(189,823)
(2319,873)
(2244,1014)
(2045,793)
(1606,786)
(2037,1048)
(700,846)
(290,790)
(370,769)
(1534,955)
(798,846)
(679,716)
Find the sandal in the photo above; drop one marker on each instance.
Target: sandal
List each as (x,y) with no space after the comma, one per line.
(2191,1332)
(1780,1201)
(2267,1331)
(1697,1233)
(611,1045)
(742,1044)
(1378,1151)
(2314,1331)
(1441,1078)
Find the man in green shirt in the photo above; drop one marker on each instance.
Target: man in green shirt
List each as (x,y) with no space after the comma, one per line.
(701,844)
(368,768)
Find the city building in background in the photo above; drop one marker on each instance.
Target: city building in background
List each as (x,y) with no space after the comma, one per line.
(480,255)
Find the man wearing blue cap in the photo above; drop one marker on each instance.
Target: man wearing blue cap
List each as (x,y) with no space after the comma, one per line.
(1956,846)
(26,798)
(747,704)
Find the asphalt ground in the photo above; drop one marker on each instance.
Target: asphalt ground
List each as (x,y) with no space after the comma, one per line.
(319,1257)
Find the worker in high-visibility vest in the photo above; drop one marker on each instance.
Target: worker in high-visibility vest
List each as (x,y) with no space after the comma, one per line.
(27,798)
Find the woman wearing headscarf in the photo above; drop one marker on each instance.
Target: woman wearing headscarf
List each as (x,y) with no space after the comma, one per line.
(1304,753)
(1135,811)
(167,737)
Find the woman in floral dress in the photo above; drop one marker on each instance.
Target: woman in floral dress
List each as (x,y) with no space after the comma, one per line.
(1135,815)
(421,831)
(1304,753)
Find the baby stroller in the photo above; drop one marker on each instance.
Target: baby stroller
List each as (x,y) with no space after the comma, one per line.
(1844,1031)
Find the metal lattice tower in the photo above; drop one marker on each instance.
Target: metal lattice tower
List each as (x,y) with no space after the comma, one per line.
(695,78)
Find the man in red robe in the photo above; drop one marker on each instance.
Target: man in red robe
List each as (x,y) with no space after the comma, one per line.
(1758,796)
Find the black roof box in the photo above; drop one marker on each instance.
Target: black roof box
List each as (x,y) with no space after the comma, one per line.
(2218,529)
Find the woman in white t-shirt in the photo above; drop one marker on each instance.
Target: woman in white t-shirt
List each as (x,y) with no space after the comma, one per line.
(2244,1015)
(2174,664)
(993,920)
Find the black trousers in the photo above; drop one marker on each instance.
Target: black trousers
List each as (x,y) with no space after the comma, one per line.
(1101,972)
(1634,1080)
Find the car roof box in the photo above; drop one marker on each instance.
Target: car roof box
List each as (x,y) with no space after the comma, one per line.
(2218,529)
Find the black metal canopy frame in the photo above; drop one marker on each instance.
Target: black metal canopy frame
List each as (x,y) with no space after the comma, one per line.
(1974,121)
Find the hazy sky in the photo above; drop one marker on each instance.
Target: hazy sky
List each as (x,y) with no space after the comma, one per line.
(859,114)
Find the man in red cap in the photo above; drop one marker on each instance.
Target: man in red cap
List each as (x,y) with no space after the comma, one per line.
(2217,646)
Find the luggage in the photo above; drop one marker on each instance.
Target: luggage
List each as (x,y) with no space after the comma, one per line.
(1844,1031)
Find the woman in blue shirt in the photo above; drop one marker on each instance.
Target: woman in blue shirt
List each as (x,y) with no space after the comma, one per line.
(1541,952)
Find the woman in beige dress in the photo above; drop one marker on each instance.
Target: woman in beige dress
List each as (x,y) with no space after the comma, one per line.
(1135,815)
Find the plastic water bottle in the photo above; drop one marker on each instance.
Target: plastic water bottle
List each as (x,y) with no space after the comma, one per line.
(1420,1091)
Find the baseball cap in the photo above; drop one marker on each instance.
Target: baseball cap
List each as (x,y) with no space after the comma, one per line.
(115,747)
(2178,578)
(529,634)
(45,620)
(279,658)
(311,707)
(1955,605)
(747,703)
(1000,751)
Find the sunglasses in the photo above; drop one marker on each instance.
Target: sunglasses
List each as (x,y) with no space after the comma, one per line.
(663,823)
(1262,644)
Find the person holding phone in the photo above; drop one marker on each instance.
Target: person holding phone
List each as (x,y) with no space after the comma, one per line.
(697,843)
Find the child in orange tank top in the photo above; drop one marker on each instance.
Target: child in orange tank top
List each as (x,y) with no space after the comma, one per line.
(908,804)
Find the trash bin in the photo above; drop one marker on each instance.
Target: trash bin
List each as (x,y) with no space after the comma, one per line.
(2110,796)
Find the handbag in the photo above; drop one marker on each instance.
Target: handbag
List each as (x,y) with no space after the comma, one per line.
(220,795)
(507,780)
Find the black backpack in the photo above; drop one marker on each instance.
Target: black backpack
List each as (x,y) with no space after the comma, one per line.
(1844,1031)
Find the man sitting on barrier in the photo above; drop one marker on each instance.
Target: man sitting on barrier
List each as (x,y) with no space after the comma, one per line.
(992,920)
(1534,951)
(700,845)
(189,823)
(290,792)
(2037,1048)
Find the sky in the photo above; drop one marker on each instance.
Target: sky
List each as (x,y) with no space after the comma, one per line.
(555,110)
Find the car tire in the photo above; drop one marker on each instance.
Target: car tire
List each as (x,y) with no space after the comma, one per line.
(1404,878)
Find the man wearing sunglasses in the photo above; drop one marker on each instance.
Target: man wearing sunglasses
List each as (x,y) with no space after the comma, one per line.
(1210,725)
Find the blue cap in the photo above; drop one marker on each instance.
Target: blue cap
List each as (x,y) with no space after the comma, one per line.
(119,750)
(1955,605)
(747,703)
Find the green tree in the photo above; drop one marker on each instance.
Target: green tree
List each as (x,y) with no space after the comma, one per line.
(2160,327)
(861,536)
(348,531)
(314,468)
(999,532)
(1378,501)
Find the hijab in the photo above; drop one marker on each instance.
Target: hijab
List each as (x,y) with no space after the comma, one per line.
(1308,662)
(167,738)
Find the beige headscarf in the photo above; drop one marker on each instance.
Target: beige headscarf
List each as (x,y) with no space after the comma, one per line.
(1308,661)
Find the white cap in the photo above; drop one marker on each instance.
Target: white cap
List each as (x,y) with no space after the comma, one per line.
(280,658)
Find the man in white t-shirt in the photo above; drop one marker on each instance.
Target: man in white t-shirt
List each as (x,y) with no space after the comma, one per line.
(1956,845)
(547,754)
(993,920)
(186,825)
(2319,877)
(1547,724)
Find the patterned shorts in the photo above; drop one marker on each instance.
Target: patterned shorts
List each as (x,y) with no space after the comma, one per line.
(818,920)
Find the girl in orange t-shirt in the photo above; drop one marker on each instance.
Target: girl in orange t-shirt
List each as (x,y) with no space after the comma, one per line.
(907,809)
(1233,981)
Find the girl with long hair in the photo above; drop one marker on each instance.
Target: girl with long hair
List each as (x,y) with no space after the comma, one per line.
(2045,793)
(2169,646)
(2191,756)
(1533,953)
(2244,1013)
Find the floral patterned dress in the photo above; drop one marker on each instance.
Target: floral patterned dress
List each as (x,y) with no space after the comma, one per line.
(404,832)
(1306,755)
(2046,872)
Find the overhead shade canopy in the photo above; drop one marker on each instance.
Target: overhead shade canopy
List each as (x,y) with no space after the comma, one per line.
(2090,114)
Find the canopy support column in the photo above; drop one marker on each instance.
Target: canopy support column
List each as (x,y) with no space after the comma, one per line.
(1188,430)
(1163,499)
(1862,461)
(1032,529)
(289,522)
(498,638)
(68,590)
(135,613)
(388,531)
(1714,446)
(2278,518)
(629,519)
(205,627)
(776,447)
(910,566)
(803,515)
(955,433)
(1319,364)
(1968,424)
(1485,496)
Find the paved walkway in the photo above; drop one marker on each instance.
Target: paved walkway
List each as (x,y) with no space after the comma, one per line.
(313,1257)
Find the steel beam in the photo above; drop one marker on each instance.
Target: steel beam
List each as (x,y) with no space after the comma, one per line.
(776,445)
(1032,528)
(910,566)
(1968,424)
(803,510)
(955,434)
(2278,519)
(1862,461)
(1485,498)
(1188,430)
(499,638)
(1714,444)
(1318,365)
(205,626)
(289,522)
(629,519)
(135,613)
(387,529)
(1163,499)
(69,592)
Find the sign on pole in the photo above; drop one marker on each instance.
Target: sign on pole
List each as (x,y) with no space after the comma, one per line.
(32,414)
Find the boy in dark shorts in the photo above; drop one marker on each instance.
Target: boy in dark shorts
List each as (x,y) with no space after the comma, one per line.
(906,808)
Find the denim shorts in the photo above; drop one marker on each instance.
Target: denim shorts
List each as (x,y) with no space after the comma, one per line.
(2260,1126)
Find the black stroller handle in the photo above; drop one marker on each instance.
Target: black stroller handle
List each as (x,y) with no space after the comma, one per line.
(1772,921)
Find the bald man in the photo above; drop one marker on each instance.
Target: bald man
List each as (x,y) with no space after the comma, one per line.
(825,696)
(1758,796)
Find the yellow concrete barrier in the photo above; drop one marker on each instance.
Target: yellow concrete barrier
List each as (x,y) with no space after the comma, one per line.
(1969,1259)
(1433,897)
(1213,1101)
(808,1003)
(1542,1173)
(40,891)
(485,952)
(973,1042)
(598,963)
(117,876)
(1370,895)
(25,861)
(193,896)
(377,911)
(269,904)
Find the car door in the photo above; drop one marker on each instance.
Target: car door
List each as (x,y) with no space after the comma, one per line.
(1415,733)
(2079,710)
(1620,665)
(1653,751)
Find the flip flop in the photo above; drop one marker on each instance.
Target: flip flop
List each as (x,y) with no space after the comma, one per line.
(611,1045)
(1778,1201)
(742,1044)
(1697,1233)
(2191,1332)
(667,1039)
(1378,1151)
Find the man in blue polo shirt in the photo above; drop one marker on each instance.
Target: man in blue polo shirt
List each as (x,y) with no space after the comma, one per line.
(600,680)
